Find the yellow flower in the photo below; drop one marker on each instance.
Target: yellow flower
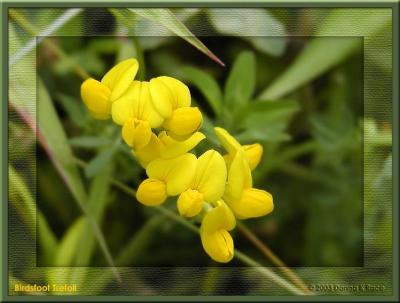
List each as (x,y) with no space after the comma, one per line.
(167,177)
(245,201)
(171,98)
(166,147)
(216,240)
(99,96)
(208,184)
(253,152)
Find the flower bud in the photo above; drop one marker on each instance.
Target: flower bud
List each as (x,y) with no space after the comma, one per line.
(190,203)
(151,192)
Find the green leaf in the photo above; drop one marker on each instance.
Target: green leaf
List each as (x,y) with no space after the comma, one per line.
(74,109)
(89,142)
(165,17)
(322,53)
(206,84)
(253,22)
(265,120)
(99,162)
(55,143)
(240,84)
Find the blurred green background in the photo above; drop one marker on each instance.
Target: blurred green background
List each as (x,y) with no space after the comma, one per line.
(301,97)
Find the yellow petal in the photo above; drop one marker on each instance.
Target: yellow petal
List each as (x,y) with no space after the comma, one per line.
(239,178)
(161,97)
(149,152)
(180,92)
(190,203)
(210,175)
(120,77)
(253,203)
(220,217)
(151,192)
(218,245)
(127,105)
(136,133)
(253,154)
(174,148)
(184,121)
(228,142)
(177,172)
(216,240)
(146,109)
(96,97)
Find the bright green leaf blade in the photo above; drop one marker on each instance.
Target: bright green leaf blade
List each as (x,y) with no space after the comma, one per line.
(74,109)
(322,53)
(168,19)
(241,81)
(89,141)
(253,21)
(55,142)
(206,84)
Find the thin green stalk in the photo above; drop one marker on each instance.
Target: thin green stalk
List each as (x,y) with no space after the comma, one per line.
(269,254)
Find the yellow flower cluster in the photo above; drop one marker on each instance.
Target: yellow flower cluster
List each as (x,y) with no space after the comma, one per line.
(161,127)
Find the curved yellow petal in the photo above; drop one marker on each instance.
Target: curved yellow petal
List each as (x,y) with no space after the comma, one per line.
(177,172)
(228,142)
(184,121)
(120,77)
(210,177)
(216,240)
(174,148)
(218,245)
(239,178)
(180,92)
(253,153)
(220,217)
(190,203)
(149,152)
(146,109)
(127,105)
(253,203)
(136,133)
(161,97)
(151,192)
(96,97)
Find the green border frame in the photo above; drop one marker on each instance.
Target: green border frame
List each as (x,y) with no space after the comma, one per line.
(394,5)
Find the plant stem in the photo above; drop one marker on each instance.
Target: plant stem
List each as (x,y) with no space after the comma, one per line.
(269,254)
(30,28)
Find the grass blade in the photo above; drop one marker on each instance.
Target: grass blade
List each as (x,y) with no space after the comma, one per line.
(56,144)
(165,17)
